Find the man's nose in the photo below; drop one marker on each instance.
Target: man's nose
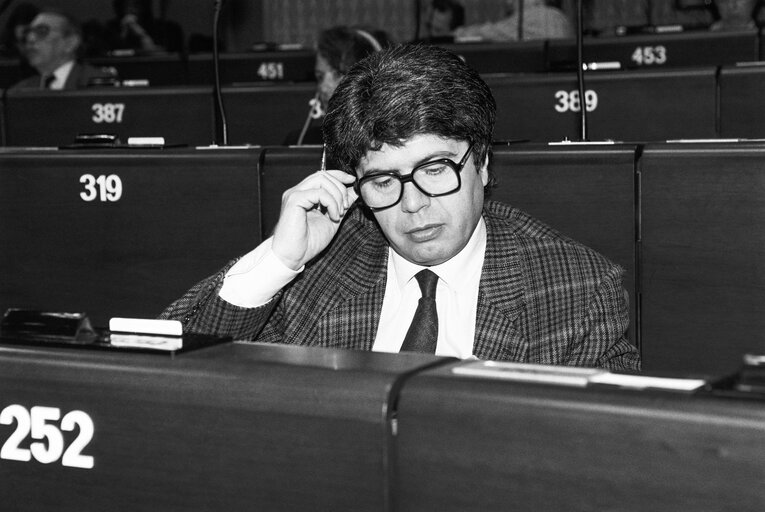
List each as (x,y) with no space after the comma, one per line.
(413,199)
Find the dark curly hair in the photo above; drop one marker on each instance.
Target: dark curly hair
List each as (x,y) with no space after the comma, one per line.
(404,91)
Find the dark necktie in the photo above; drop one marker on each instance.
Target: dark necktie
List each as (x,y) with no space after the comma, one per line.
(423,333)
(48,81)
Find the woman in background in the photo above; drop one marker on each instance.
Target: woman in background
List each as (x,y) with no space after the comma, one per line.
(134,27)
(337,49)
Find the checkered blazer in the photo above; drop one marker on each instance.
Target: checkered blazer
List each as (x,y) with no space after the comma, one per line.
(543,298)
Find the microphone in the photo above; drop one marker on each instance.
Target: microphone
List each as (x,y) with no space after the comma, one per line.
(314,112)
(220,117)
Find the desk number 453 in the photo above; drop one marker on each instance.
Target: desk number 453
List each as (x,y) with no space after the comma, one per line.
(40,423)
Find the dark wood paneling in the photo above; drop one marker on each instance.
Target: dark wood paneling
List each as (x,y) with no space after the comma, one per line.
(182,215)
(182,115)
(585,192)
(233,427)
(742,105)
(466,443)
(703,255)
(623,106)
(266,114)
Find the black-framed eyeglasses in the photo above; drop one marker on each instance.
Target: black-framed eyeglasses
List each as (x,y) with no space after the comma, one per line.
(40,31)
(436,178)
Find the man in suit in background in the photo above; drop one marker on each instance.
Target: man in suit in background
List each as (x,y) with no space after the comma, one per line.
(411,129)
(51,44)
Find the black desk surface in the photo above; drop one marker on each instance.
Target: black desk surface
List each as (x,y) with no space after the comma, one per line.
(293,428)
(230,427)
(659,50)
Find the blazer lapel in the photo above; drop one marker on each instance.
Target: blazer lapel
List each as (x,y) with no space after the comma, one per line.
(500,298)
(351,320)
(73,79)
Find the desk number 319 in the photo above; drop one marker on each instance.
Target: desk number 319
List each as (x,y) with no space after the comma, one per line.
(104,188)
(37,422)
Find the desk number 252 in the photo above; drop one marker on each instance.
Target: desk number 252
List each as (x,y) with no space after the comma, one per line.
(38,422)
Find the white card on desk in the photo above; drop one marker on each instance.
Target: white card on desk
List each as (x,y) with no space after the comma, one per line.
(146,326)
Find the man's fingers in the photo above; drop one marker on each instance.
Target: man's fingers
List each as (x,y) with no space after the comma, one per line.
(327,190)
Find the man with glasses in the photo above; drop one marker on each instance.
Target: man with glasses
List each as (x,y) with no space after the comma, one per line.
(51,45)
(400,250)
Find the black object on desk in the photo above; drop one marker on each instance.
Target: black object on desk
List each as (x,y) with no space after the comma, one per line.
(64,329)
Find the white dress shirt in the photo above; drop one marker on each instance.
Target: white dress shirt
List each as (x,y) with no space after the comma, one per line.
(60,75)
(456,299)
(260,274)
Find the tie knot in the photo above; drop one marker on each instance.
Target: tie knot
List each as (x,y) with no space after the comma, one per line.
(48,80)
(428,281)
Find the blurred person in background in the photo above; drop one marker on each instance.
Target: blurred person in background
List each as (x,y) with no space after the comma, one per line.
(735,14)
(52,42)
(541,20)
(337,49)
(134,27)
(12,40)
(439,19)
(12,43)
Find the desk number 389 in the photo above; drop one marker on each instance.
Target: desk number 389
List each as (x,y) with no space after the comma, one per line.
(49,447)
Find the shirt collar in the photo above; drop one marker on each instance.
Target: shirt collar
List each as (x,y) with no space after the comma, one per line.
(455,271)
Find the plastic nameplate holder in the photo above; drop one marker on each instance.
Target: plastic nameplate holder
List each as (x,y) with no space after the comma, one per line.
(146,334)
(573,376)
(523,372)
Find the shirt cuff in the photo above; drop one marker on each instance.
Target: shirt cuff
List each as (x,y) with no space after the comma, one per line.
(256,278)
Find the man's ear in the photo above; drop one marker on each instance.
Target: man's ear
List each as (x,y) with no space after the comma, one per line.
(483,171)
(72,42)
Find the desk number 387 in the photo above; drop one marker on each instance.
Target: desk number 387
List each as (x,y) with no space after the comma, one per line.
(49,445)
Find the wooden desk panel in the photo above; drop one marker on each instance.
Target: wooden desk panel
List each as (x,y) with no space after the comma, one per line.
(467,443)
(282,168)
(182,115)
(703,255)
(742,106)
(265,114)
(252,67)
(585,192)
(226,428)
(180,216)
(654,51)
(629,106)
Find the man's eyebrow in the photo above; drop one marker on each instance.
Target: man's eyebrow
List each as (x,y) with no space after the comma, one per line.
(436,155)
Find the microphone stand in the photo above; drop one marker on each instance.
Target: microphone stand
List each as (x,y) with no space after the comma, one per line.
(220,113)
(5,5)
(520,19)
(580,72)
